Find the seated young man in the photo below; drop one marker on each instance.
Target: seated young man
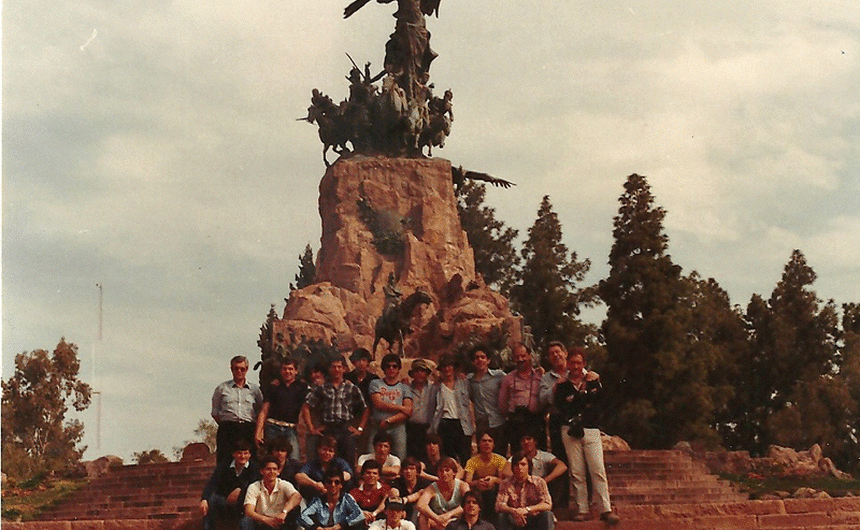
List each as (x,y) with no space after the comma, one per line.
(523,501)
(280,448)
(543,464)
(382,454)
(371,493)
(334,509)
(225,491)
(471,519)
(408,486)
(310,478)
(395,517)
(484,473)
(268,502)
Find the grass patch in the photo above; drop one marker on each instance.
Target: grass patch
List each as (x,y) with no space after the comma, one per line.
(33,497)
(758,485)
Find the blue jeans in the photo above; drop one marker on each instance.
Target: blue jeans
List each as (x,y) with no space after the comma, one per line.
(272,431)
(539,521)
(398,438)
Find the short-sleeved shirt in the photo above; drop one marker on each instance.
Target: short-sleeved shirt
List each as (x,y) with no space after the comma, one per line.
(533,491)
(481,469)
(390,461)
(370,499)
(285,401)
(391,394)
(517,392)
(234,403)
(541,463)
(337,403)
(271,504)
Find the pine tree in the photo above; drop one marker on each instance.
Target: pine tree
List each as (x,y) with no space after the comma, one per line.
(307,269)
(496,259)
(547,296)
(640,294)
(793,343)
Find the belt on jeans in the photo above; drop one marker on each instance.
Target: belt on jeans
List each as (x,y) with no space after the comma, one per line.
(280,423)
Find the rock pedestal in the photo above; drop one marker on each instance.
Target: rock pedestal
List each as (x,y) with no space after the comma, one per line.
(414,197)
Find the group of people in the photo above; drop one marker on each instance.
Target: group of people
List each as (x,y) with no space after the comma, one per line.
(394,453)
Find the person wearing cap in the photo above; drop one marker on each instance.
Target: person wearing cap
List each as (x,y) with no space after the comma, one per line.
(423,407)
(235,403)
(395,516)
(392,405)
(452,420)
(471,519)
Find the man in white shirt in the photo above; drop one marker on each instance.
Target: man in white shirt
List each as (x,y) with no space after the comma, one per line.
(269,501)
(395,516)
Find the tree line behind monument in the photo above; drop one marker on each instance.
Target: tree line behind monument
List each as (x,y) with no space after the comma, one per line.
(684,362)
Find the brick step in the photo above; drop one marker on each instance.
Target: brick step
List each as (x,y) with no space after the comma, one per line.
(706,480)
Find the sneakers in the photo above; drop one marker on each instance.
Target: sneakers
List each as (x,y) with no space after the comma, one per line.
(610,518)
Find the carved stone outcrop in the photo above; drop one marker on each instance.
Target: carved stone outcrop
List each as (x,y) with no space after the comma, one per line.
(351,272)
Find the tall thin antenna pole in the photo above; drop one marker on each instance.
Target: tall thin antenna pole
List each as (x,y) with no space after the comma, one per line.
(97,393)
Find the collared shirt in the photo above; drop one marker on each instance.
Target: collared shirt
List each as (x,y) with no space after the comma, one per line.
(337,403)
(231,402)
(484,393)
(271,504)
(369,499)
(461,524)
(517,391)
(225,479)
(531,492)
(547,385)
(541,463)
(346,512)
(285,401)
(381,525)
(423,404)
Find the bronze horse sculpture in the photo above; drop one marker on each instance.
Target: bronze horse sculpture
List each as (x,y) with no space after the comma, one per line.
(393,325)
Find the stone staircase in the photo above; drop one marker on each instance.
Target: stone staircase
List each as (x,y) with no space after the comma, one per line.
(651,490)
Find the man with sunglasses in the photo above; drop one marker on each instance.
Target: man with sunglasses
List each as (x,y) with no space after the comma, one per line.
(334,509)
(392,405)
(235,404)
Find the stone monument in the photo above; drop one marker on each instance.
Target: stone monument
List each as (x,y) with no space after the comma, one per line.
(390,227)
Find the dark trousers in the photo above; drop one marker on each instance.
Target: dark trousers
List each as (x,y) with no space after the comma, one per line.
(220,509)
(540,521)
(559,489)
(455,443)
(416,434)
(230,432)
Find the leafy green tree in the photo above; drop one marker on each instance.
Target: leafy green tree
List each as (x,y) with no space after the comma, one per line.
(670,339)
(36,435)
(547,295)
(793,343)
(152,456)
(307,269)
(496,259)
(639,331)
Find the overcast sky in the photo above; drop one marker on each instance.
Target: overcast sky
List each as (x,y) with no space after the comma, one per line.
(152,147)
